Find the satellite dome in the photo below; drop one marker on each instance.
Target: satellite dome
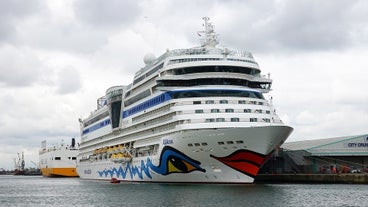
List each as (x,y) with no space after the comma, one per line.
(149,58)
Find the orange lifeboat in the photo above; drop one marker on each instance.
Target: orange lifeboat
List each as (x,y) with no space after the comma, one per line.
(114,180)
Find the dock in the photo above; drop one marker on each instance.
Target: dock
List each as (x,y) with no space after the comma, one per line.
(358,178)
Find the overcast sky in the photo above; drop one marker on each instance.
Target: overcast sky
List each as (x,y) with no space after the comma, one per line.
(58,57)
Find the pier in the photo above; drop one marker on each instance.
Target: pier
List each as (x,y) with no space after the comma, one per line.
(350,178)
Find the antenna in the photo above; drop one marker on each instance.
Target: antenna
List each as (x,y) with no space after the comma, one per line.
(209,38)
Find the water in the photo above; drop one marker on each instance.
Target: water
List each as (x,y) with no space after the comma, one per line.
(40,191)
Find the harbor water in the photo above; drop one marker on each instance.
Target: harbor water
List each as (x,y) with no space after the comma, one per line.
(41,191)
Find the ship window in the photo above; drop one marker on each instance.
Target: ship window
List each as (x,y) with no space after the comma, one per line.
(229,110)
(267,120)
(127,94)
(267,112)
(190,145)
(115,109)
(196,102)
(234,119)
(220,119)
(242,102)
(229,142)
(199,111)
(155,69)
(215,93)
(138,97)
(220,143)
(196,144)
(223,101)
(247,110)
(203,69)
(97,118)
(57,158)
(74,158)
(138,79)
(204,143)
(210,120)
(239,142)
(253,119)
(215,110)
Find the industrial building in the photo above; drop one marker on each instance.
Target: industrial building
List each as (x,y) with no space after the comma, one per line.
(347,154)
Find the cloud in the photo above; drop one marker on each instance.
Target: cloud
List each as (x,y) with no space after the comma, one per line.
(68,81)
(60,32)
(100,14)
(12,12)
(313,25)
(18,67)
(288,26)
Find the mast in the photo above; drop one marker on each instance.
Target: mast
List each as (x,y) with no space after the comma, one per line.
(209,38)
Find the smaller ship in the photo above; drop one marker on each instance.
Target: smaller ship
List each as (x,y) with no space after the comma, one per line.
(59,161)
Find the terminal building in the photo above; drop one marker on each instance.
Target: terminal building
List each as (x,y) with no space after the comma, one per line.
(347,154)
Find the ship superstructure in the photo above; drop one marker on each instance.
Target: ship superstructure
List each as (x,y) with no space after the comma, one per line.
(190,115)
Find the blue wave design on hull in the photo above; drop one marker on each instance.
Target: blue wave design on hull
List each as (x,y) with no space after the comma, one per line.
(171,161)
(131,170)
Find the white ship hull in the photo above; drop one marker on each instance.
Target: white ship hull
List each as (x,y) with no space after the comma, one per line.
(236,161)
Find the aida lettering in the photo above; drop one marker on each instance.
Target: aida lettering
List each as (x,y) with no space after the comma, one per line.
(168,141)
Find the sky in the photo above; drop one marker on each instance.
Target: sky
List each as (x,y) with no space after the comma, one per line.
(58,57)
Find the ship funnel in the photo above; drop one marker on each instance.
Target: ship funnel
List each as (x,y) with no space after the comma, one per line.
(73,143)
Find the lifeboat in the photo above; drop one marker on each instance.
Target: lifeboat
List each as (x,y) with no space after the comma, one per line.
(114,180)
(121,158)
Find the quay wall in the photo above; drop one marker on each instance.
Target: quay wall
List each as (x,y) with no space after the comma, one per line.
(313,178)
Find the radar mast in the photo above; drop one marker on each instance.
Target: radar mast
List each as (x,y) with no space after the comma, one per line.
(209,38)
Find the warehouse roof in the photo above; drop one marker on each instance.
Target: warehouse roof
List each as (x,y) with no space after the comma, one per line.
(339,146)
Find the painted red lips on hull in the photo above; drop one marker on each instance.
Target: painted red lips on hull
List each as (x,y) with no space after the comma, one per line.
(244,161)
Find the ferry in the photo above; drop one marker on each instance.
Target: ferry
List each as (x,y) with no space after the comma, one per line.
(58,161)
(195,115)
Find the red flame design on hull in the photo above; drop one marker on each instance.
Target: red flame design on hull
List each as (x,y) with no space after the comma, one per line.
(244,161)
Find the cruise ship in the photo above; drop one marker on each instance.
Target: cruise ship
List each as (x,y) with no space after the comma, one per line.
(194,115)
(58,161)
